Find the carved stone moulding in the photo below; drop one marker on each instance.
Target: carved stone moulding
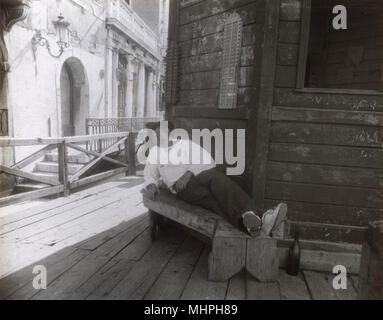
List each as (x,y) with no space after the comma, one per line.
(13,11)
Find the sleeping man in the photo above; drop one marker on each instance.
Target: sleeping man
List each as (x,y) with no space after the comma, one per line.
(205,186)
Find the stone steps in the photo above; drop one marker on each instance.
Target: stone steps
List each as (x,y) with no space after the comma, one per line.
(49,168)
(53,167)
(72,158)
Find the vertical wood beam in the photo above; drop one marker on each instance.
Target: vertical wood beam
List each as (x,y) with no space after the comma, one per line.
(304,43)
(381,77)
(265,100)
(371,263)
(63,167)
(130,153)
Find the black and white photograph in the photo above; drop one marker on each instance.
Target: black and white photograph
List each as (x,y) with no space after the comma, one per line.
(191,151)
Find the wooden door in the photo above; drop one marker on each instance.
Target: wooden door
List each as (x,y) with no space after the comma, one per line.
(67,90)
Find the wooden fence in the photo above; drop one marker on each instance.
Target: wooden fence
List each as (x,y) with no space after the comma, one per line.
(66,182)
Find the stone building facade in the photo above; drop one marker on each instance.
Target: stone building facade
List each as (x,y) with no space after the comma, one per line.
(111,68)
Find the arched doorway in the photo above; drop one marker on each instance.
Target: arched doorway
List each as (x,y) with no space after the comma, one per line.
(74,98)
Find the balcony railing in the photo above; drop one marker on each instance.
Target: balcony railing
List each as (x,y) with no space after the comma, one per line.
(133,25)
(4,122)
(111,125)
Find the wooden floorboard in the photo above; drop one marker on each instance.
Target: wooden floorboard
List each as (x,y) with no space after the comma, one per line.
(18,280)
(44,229)
(96,244)
(103,281)
(293,288)
(256,290)
(93,223)
(139,281)
(102,238)
(8,216)
(72,279)
(112,247)
(56,266)
(198,287)
(61,217)
(237,287)
(321,287)
(172,280)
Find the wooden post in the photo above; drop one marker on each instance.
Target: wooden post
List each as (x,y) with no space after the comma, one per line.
(63,167)
(381,77)
(371,264)
(130,153)
(87,145)
(261,133)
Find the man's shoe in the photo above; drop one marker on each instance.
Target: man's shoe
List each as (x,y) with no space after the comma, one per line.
(273,220)
(279,231)
(252,223)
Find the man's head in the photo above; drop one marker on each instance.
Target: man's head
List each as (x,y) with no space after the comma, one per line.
(162,131)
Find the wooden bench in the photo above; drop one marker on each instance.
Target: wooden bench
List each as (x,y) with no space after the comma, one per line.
(231,249)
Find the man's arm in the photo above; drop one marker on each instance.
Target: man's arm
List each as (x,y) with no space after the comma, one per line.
(182,182)
(151,176)
(152,179)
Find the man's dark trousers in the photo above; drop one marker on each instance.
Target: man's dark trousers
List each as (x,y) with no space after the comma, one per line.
(213,190)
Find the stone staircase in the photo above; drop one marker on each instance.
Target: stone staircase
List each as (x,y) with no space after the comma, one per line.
(48,168)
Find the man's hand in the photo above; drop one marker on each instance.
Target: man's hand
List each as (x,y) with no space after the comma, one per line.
(151,191)
(182,182)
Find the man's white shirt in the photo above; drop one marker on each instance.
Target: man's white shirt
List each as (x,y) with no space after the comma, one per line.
(170,164)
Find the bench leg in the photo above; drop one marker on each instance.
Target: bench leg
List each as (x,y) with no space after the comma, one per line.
(155,223)
(227,258)
(262,258)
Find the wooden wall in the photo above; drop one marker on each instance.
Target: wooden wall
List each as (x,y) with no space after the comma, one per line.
(325,154)
(199,32)
(321,152)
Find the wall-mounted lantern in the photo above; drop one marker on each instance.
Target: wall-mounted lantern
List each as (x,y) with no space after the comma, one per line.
(63,32)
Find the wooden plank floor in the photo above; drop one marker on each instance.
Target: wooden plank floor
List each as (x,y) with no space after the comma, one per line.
(96,244)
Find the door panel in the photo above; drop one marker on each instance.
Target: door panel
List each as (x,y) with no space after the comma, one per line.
(67,102)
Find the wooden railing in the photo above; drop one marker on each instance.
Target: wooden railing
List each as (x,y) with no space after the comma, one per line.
(4,122)
(66,182)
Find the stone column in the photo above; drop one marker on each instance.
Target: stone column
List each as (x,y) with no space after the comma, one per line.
(155,92)
(149,110)
(108,79)
(114,109)
(141,91)
(129,86)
